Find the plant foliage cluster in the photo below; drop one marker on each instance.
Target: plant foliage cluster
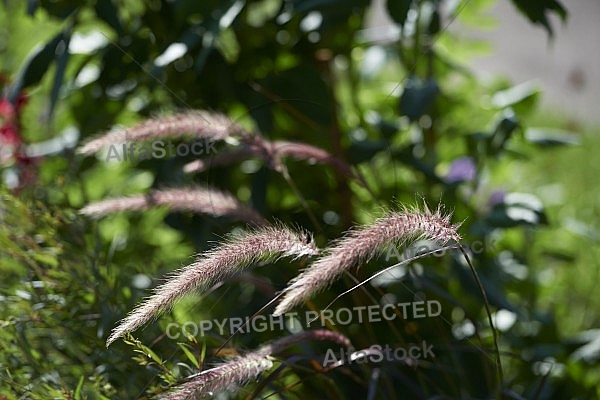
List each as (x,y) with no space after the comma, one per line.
(403,112)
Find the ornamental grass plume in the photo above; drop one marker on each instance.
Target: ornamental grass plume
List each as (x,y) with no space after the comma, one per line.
(198,124)
(312,154)
(235,373)
(360,245)
(223,158)
(231,257)
(272,153)
(199,200)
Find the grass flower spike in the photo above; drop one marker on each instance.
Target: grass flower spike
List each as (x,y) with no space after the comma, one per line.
(233,256)
(200,200)
(233,374)
(199,124)
(360,245)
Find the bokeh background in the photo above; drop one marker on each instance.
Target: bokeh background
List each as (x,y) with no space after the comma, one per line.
(487,108)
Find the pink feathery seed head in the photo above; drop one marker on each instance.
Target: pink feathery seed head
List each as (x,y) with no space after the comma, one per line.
(316,334)
(225,377)
(110,206)
(360,245)
(196,124)
(199,200)
(217,160)
(231,375)
(238,253)
(208,201)
(272,153)
(307,152)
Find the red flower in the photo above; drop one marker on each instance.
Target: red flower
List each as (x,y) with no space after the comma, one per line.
(12,148)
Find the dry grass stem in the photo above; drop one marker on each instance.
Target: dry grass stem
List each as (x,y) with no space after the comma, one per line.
(236,254)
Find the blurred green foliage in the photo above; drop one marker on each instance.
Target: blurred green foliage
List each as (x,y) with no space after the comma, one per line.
(404,111)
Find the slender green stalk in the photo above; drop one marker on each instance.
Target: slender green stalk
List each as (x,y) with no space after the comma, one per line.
(489,315)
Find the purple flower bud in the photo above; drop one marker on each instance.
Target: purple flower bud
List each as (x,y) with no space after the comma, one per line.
(462,169)
(497,197)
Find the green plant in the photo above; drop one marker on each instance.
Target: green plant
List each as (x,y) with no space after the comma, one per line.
(323,137)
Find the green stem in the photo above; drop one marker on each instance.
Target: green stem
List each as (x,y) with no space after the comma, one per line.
(489,315)
(311,216)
